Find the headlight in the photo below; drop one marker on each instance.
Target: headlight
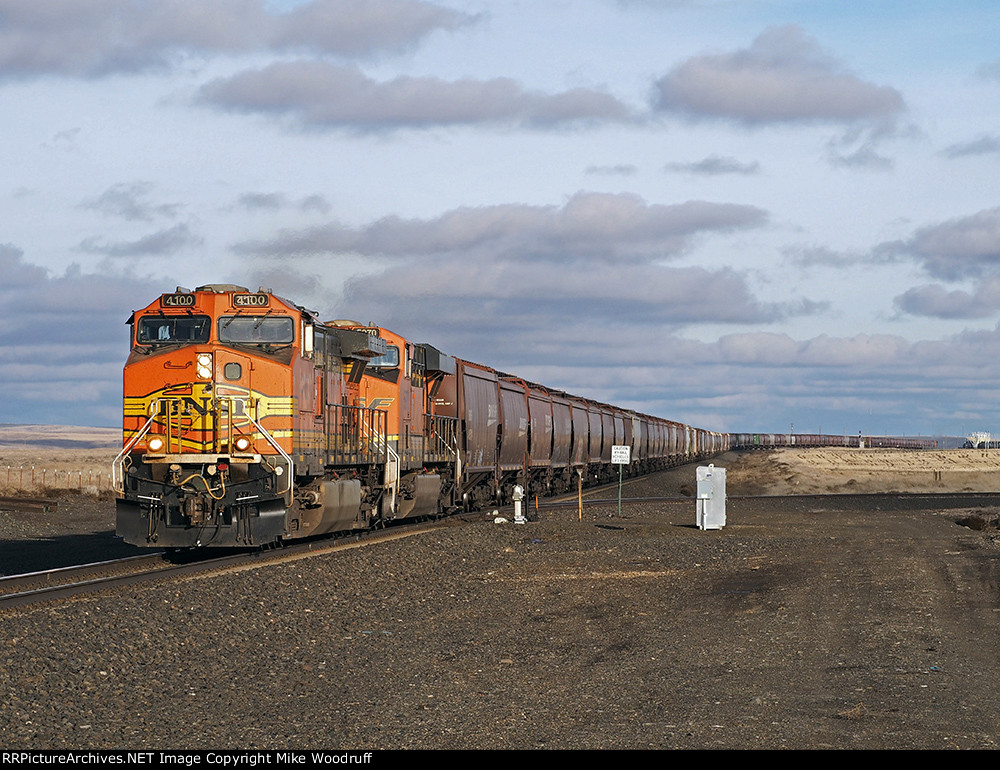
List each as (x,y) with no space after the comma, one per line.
(242,444)
(204,363)
(155,444)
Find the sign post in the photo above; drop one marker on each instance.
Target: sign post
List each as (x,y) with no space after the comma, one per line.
(620,455)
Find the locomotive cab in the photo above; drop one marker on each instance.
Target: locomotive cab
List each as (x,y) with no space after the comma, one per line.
(203,461)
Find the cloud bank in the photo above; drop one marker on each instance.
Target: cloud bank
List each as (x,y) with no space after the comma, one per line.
(97,38)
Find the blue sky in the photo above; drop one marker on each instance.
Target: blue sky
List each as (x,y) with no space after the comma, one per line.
(741,215)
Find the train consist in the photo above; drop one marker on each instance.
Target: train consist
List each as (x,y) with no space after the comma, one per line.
(773,440)
(247,421)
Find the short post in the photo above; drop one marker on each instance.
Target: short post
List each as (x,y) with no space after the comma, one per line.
(620,456)
(518,497)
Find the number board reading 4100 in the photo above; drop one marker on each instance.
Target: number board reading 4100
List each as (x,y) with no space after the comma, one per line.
(249,300)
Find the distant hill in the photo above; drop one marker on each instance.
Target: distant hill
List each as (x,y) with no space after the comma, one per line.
(59,437)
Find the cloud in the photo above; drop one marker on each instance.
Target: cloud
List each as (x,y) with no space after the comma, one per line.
(92,38)
(263,201)
(936,301)
(810,256)
(783,77)
(17,274)
(129,201)
(158,244)
(358,28)
(63,341)
(621,169)
(316,203)
(64,141)
(864,157)
(990,71)
(715,165)
(598,330)
(277,201)
(988,144)
(765,381)
(491,296)
(965,247)
(599,226)
(327,95)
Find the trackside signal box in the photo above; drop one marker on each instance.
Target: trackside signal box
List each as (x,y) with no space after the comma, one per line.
(711,500)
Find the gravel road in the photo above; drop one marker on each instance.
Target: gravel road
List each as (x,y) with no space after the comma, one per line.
(803,624)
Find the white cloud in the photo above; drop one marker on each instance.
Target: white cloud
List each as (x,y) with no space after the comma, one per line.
(323,94)
(129,200)
(602,226)
(938,302)
(715,165)
(156,244)
(784,76)
(964,247)
(98,37)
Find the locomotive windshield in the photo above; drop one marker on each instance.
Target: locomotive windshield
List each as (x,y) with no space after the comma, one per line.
(184,329)
(260,329)
(388,360)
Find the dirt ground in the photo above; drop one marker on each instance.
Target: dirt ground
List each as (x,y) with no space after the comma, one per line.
(866,621)
(858,471)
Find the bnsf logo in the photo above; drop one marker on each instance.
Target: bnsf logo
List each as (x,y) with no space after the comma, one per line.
(203,406)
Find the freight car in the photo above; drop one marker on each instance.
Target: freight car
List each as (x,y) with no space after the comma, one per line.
(772,440)
(247,421)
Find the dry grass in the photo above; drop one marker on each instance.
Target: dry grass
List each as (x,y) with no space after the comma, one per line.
(35,459)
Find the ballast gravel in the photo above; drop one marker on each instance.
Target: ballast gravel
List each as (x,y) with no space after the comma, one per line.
(801,624)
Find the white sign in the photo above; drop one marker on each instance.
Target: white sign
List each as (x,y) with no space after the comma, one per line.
(621,455)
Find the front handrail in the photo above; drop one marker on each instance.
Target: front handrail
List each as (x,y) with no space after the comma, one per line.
(118,484)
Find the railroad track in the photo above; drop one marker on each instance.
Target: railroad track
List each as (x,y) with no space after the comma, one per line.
(68,582)
(30,504)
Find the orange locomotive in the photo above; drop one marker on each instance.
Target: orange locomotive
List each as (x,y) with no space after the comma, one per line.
(246,421)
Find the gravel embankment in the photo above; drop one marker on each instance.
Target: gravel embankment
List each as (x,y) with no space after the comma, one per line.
(799,625)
